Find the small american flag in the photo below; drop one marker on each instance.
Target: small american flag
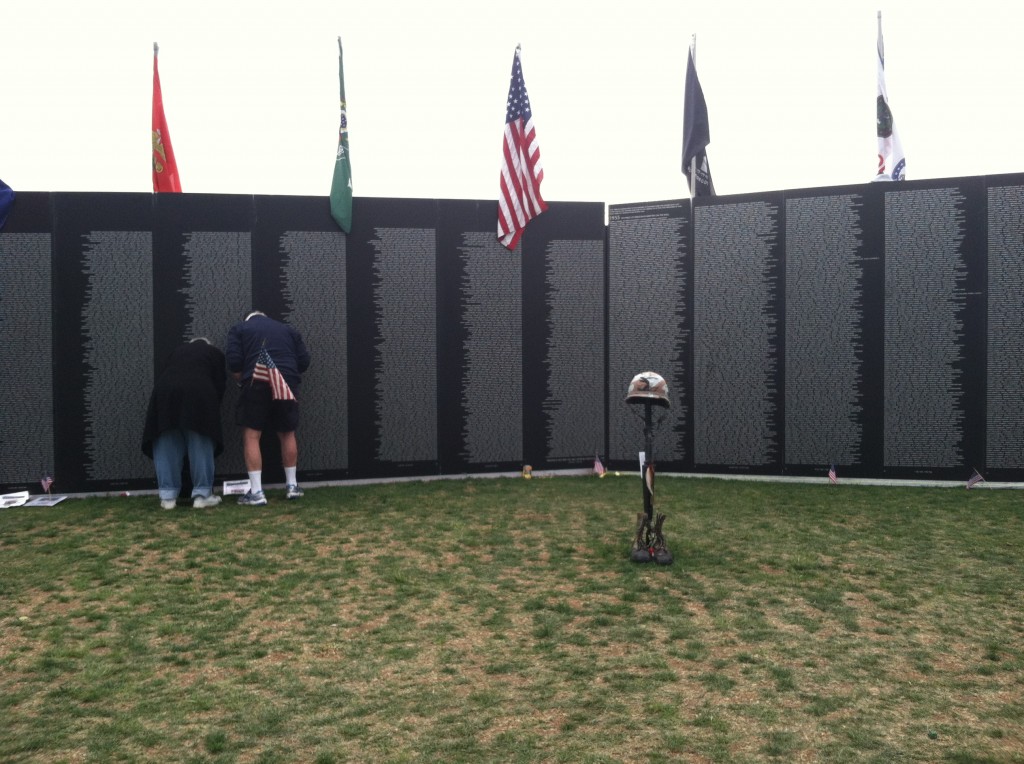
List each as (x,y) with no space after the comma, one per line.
(266,371)
(521,171)
(832,477)
(46,482)
(599,469)
(974,479)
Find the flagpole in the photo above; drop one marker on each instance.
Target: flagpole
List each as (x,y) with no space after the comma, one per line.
(881,51)
(693,160)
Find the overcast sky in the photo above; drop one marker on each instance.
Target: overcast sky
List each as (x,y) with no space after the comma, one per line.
(251,93)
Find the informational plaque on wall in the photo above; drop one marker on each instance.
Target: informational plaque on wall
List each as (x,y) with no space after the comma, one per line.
(649,319)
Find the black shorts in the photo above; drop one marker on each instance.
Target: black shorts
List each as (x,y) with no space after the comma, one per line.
(257,409)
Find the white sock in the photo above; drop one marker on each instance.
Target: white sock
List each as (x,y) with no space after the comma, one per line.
(256,481)
(289,475)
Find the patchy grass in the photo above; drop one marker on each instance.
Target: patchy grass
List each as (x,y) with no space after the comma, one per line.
(501,620)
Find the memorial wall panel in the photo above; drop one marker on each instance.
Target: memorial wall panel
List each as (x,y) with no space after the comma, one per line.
(481,331)
(392,256)
(934,328)
(563,254)
(202,284)
(874,327)
(1004,369)
(738,337)
(103,339)
(649,318)
(299,275)
(833,335)
(26,326)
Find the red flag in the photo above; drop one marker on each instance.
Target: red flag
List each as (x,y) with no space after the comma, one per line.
(266,371)
(521,171)
(165,169)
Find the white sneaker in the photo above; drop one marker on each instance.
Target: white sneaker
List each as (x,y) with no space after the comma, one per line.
(168,503)
(253,499)
(292,491)
(202,502)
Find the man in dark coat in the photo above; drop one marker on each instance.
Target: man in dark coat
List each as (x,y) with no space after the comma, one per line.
(184,418)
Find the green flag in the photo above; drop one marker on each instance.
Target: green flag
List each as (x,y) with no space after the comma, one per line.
(341,186)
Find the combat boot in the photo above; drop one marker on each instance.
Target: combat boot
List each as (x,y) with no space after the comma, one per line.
(641,548)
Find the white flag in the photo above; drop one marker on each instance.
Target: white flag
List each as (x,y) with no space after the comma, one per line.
(892,163)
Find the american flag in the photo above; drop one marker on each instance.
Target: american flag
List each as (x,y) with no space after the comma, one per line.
(974,479)
(832,477)
(267,371)
(599,469)
(46,482)
(521,172)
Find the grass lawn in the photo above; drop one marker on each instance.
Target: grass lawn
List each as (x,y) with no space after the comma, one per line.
(500,620)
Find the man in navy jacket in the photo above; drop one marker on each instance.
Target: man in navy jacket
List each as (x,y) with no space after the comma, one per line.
(267,358)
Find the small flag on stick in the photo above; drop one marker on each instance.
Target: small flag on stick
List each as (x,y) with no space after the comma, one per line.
(974,479)
(599,469)
(266,371)
(832,477)
(46,482)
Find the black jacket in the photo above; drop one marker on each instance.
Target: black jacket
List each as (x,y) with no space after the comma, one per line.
(187,394)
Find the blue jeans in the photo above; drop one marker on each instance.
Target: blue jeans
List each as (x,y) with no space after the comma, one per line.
(169,451)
